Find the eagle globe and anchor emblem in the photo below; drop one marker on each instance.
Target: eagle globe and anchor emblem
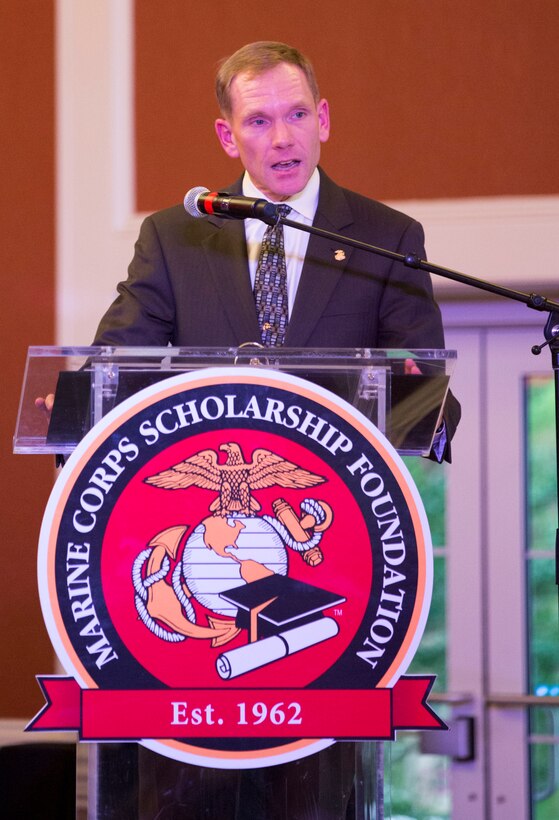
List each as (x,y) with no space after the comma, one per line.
(235,563)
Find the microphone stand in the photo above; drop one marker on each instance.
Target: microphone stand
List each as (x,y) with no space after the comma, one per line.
(532,300)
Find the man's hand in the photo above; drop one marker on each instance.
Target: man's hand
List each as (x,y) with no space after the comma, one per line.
(410,368)
(45,404)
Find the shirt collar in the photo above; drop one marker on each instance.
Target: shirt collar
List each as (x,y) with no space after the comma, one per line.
(305,202)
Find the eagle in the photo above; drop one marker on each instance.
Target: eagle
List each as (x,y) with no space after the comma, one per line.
(235,479)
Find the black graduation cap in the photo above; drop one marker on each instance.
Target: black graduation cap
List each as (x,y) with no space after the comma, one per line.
(275,603)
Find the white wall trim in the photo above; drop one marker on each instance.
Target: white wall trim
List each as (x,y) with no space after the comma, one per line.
(494,209)
(123,148)
(506,240)
(96,227)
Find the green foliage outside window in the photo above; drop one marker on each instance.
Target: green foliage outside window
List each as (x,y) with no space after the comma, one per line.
(417,784)
(541,518)
(543,628)
(430,658)
(541,470)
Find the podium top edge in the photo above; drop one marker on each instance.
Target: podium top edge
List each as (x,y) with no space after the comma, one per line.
(138,352)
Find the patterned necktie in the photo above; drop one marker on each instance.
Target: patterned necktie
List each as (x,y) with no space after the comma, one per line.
(270,284)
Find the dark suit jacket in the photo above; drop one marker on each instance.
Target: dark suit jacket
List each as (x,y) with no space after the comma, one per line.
(189,284)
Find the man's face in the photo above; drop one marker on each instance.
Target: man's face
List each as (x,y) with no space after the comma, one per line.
(275,128)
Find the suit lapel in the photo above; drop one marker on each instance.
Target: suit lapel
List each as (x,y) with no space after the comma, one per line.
(226,254)
(324,264)
(227,258)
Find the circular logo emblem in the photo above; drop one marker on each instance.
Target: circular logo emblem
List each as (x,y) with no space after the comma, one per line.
(232,563)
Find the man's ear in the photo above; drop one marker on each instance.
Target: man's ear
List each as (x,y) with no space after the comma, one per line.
(323,112)
(225,136)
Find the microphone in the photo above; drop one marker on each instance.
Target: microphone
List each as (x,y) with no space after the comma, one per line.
(200,202)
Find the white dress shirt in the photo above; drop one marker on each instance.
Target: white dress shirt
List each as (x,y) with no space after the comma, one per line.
(303,205)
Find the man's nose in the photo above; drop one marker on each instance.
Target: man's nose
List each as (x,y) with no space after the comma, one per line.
(282,134)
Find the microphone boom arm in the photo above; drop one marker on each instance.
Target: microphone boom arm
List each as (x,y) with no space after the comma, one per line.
(532,300)
(411,260)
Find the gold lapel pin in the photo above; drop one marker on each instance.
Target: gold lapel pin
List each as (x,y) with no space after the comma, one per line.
(339,255)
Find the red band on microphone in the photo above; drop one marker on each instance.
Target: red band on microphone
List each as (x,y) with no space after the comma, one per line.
(208,201)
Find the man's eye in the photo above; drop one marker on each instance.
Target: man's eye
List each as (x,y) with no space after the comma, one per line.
(298,115)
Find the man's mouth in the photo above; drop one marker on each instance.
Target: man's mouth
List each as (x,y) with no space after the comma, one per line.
(286,165)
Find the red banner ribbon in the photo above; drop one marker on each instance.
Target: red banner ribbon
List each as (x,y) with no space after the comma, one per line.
(271,713)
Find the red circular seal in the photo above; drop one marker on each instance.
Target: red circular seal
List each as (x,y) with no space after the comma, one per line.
(233,564)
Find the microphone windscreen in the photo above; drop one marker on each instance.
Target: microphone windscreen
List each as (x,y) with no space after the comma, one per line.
(191,198)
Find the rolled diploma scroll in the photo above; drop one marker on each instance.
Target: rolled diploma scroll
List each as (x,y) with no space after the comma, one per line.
(267,650)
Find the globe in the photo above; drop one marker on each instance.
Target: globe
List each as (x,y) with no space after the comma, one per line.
(222,554)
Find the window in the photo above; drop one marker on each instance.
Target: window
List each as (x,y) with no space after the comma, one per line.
(541,592)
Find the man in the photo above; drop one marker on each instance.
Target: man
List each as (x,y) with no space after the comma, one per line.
(191,282)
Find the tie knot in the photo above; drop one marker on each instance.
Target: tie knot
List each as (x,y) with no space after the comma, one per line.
(283,210)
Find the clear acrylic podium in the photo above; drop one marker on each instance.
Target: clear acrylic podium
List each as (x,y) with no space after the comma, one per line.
(401,392)
(90,381)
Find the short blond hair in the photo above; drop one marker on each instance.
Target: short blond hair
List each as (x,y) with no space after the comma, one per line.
(256,58)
